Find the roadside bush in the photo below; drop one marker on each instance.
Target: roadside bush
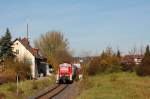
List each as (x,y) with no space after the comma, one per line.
(113,68)
(128,67)
(12,68)
(143,70)
(9,75)
(94,67)
(101,66)
(107,62)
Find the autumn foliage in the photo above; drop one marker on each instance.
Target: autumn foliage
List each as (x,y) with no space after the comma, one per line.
(12,68)
(107,62)
(55,47)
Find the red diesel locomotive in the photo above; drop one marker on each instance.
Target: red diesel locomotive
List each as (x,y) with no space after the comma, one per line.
(66,73)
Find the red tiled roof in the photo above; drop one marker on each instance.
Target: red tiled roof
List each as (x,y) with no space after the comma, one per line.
(25,41)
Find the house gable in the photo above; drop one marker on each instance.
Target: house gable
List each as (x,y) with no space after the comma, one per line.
(20,51)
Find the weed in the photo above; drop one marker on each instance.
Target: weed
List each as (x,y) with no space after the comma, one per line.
(12,87)
(113,77)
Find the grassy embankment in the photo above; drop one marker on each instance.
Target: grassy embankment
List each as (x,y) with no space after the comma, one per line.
(26,88)
(117,86)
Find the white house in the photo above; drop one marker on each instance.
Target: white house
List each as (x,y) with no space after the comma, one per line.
(23,51)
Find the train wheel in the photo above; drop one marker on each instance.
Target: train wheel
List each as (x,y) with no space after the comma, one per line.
(70,81)
(64,81)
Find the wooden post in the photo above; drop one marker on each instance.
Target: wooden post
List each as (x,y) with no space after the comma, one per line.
(17,84)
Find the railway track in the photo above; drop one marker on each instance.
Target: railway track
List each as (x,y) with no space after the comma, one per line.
(50,93)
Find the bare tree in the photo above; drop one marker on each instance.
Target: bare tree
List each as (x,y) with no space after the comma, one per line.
(133,51)
(55,47)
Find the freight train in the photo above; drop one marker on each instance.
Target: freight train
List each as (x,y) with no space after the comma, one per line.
(67,73)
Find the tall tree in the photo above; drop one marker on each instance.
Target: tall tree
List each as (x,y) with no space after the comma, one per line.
(6,45)
(118,54)
(146,59)
(144,69)
(54,46)
(147,53)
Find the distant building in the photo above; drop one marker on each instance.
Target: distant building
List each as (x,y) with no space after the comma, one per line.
(24,52)
(132,59)
(83,59)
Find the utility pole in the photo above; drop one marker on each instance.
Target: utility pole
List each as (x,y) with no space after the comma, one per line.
(27,32)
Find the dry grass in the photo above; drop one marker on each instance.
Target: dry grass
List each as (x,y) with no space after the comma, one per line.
(25,88)
(117,86)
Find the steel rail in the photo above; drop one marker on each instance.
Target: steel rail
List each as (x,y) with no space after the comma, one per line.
(51,92)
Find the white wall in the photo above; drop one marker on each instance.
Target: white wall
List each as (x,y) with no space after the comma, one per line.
(24,54)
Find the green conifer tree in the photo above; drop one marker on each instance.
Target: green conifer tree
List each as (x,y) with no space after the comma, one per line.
(6,45)
(146,59)
(118,54)
(144,69)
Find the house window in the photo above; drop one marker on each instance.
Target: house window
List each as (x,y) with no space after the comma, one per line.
(28,61)
(17,51)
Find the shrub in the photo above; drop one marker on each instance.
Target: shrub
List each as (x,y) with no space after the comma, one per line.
(128,67)
(143,70)
(12,68)
(107,62)
(9,75)
(94,67)
(102,66)
(113,68)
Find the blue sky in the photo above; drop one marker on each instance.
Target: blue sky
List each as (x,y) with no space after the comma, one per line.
(90,25)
